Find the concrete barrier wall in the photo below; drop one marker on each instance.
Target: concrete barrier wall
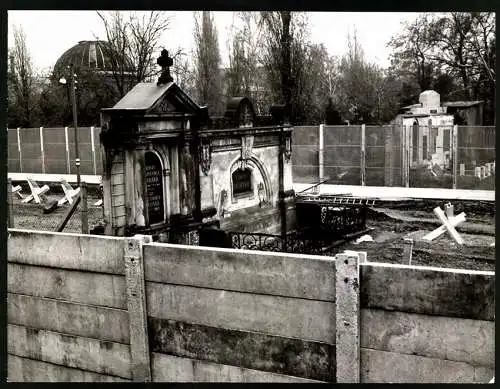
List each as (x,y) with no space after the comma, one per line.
(66,308)
(74,314)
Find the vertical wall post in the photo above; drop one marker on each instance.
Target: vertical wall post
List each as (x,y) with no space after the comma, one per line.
(19,150)
(407,156)
(68,165)
(321,153)
(403,154)
(10,216)
(92,144)
(363,155)
(407,251)
(42,151)
(389,155)
(84,211)
(454,154)
(347,318)
(136,305)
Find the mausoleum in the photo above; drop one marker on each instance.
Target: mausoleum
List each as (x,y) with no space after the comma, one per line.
(170,170)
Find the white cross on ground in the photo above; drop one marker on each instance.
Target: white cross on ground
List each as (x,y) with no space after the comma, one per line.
(36,191)
(455,221)
(69,193)
(17,190)
(448,225)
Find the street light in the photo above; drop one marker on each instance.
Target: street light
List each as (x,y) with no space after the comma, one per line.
(63,81)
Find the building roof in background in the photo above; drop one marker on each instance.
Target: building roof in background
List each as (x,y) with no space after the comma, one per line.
(88,55)
(462,104)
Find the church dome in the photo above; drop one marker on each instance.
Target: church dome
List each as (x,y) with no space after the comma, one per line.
(87,56)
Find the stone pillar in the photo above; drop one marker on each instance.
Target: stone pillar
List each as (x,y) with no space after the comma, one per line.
(140,211)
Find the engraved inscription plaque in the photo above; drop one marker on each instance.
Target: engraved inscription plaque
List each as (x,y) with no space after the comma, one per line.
(154,188)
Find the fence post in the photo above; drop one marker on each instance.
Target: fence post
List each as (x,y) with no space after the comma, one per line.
(19,149)
(363,155)
(10,216)
(347,318)
(407,251)
(84,213)
(388,161)
(136,305)
(403,154)
(321,153)
(68,165)
(42,150)
(407,155)
(454,155)
(92,142)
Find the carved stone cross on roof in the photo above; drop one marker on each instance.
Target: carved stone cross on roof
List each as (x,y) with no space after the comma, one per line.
(165,62)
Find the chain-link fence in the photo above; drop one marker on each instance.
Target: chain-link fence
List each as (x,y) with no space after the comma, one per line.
(342,155)
(476,157)
(52,150)
(461,157)
(305,168)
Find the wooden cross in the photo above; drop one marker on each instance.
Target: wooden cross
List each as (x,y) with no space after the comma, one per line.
(165,62)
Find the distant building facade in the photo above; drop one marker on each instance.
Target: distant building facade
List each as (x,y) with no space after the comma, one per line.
(432,122)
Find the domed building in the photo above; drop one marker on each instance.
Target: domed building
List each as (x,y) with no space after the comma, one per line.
(90,56)
(95,65)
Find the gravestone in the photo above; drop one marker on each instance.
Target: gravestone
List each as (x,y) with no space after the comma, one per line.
(154,188)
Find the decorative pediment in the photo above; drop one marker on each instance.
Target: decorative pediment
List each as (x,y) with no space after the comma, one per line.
(164,107)
(174,100)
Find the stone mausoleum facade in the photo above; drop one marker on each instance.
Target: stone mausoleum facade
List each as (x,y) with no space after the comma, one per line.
(170,170)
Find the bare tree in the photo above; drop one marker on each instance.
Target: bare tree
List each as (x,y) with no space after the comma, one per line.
(242,78)
(284,44)
(207,62)
(21,77)
(134,41)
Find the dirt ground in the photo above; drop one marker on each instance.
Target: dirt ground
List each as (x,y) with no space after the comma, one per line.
(390,222)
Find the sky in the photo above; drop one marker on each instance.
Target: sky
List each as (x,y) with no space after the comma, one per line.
(50,33)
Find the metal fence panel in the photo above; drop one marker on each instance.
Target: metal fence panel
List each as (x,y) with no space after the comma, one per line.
(305,148)
(342,155)
(475,150)
(13,161)
(30,149)
(54,143)
(84,148)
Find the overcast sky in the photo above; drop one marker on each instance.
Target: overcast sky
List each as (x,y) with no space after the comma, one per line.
(50,33)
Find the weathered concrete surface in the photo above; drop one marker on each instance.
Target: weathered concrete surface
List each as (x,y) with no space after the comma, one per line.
(432,291)
(67,350)
(274,315)
(80,287)
(454,339)
(101,254)
(253,350)
(73,319)
(388,367)
(276,274)
(176,369)
(29,370)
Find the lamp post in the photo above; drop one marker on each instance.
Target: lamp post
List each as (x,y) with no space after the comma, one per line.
(75,120)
